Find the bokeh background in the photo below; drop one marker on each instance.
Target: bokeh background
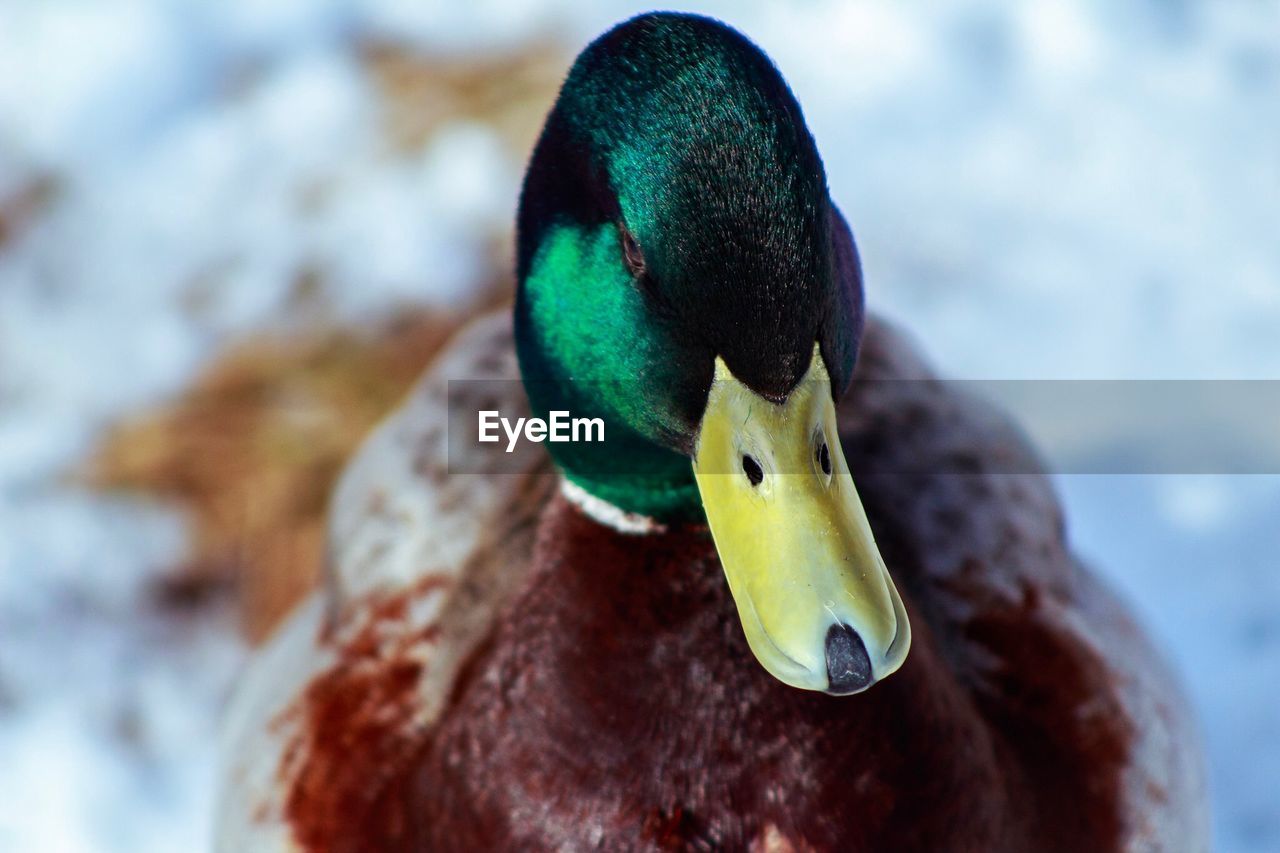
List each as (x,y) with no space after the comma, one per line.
(232,232)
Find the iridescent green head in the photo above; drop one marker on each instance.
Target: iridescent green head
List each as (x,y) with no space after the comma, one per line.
(685,277)
(675,209)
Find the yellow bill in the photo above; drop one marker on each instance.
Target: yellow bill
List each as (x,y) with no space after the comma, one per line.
(818,607)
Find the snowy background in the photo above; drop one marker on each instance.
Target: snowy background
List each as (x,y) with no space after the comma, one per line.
(1040,190)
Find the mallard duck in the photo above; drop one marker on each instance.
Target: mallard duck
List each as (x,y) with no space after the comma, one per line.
(698,634)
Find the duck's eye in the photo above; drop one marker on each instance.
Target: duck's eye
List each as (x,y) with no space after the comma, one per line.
(823,457)
(750,467)
(631,252)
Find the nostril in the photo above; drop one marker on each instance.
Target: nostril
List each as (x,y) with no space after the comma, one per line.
(848,665)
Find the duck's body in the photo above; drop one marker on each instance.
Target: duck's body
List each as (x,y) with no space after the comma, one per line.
(632,649)
(503,670)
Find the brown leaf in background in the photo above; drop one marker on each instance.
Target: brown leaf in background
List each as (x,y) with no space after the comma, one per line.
(509,93)
(253,447)
(24,205)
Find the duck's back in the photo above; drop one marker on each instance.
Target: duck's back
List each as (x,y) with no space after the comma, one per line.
(424,546)
(1054,662)
(459,684)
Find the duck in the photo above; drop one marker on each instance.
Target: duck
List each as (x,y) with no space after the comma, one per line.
(698,633)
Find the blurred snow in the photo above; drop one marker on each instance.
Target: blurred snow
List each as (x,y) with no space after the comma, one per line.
(1050,189)
(106,703)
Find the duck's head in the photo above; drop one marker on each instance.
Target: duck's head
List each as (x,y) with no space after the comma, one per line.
(685,277)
